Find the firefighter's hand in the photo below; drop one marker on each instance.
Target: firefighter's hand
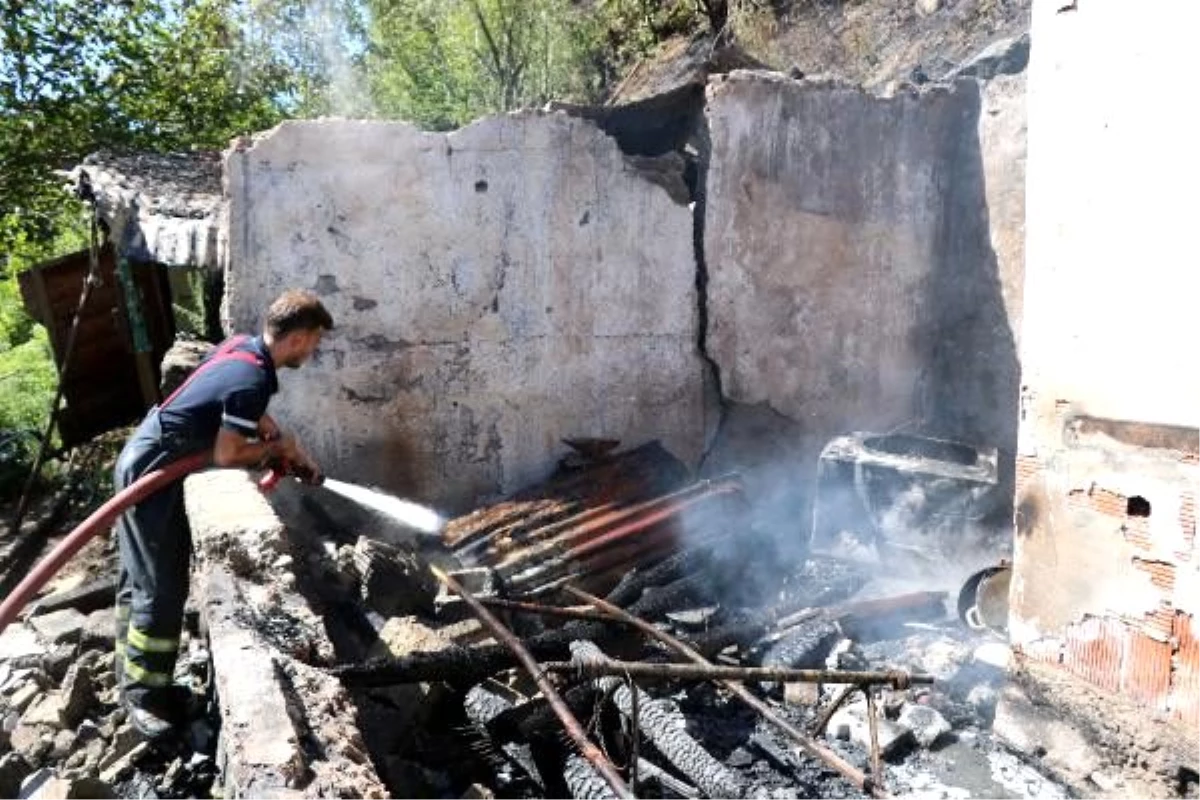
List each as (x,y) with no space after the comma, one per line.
(304,466)
(268,429)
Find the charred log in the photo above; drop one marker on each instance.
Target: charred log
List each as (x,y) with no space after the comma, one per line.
(483,705)
(665,727)
(666,571)
(465,667)
(803,647)
(583,781)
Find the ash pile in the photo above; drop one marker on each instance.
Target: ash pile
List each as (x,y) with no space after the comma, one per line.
(621,630)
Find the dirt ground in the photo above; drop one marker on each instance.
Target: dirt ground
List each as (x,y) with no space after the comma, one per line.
(59,505)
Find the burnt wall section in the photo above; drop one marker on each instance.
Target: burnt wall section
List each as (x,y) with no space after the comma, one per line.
(287,728)
(1105,574)
(854,280)
(495,289)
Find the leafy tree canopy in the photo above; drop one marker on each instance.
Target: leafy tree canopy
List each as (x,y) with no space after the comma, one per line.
(79,75)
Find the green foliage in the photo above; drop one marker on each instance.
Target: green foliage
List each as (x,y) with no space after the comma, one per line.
(28,376)
(156,74)
(441,63)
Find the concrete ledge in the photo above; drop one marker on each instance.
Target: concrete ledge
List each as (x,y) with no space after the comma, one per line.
(288,729)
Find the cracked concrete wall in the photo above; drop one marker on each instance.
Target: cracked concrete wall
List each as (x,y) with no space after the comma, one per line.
(494,289)
(856,280)
(1105,574)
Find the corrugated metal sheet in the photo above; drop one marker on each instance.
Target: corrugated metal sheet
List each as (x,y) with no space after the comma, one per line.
(1184,699)
(594,522)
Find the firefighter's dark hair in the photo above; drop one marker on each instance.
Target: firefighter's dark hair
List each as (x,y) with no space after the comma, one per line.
(297,310)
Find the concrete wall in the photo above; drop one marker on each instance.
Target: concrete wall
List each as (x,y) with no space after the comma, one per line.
(1105,577)
(494,289)
(856,279)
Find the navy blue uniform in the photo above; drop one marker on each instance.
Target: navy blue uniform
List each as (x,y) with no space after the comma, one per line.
(231,389)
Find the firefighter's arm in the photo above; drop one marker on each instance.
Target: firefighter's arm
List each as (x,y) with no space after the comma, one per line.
(232,449)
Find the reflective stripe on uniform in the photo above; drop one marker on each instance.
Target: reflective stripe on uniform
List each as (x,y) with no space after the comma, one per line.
(151,644)
(144,676)
(239,421)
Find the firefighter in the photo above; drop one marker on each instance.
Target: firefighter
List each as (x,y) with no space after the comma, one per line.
(221,408)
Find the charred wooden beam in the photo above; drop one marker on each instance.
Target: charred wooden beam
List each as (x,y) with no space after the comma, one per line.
(649,772)
(467,666)
(546,611)
(817,750)
(89,597)
(625,478)
(665,727)
(482,705)
(688,562)
(857,617)
(586,748)
(531,719)
(599,530)
(897,679)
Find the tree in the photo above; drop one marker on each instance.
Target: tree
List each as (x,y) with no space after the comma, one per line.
(441,63)
(78,76)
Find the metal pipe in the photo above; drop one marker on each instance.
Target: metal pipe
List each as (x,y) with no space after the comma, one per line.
(847,770)
(897,679)
(574,729)
(546,611)
(99,520)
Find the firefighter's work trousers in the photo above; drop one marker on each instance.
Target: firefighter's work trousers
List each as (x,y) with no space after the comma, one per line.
(155,545)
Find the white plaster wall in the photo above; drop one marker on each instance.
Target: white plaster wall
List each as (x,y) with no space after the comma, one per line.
(494,290)
(1113,271)
(854,280)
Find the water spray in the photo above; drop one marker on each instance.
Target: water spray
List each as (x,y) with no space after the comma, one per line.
(413,515)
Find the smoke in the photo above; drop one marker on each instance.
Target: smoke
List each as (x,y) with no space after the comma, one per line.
(340,49)
(906,521)
(322,43)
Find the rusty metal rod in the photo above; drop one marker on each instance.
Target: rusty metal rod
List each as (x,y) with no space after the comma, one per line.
(628,519)
(586,749)
(897,679)
(547,611)
(826,715)
(873,726)
(815,749)
(714,491)
(601,531)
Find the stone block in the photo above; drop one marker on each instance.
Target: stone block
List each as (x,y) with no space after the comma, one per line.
(19,645)
(23,697)
(79,695)
(99,630)
(926,724)
(46,710)
(59,627)
(850,723)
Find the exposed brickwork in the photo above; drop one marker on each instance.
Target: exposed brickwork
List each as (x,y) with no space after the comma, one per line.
(1026,473)
(1187,523)
(1184,699)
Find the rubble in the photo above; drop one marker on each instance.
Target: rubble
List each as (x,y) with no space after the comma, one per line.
(321,682)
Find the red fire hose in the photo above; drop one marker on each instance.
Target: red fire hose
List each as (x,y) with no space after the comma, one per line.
(100,520)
